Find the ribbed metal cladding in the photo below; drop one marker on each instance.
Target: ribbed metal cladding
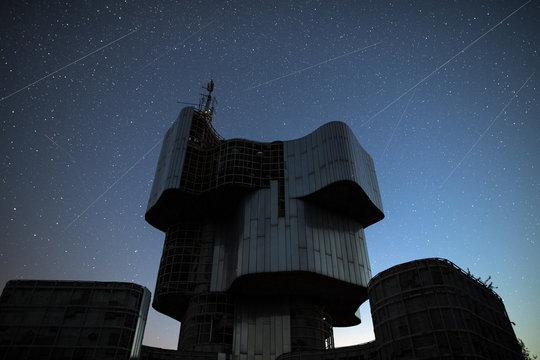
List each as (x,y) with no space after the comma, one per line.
(262,328)
(171,158)
(309,238)
(265,223)
(430,308)
(330,154)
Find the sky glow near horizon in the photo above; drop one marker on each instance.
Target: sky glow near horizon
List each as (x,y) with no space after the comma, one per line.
(442,96)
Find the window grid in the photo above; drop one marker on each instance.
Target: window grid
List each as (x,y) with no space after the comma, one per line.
(208,321)
(186,263)
(461,316)
(311,328)
(64,319)
(212,162)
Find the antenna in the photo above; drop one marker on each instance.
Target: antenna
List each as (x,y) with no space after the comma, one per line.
(207,104)
(209,108)
(187,103)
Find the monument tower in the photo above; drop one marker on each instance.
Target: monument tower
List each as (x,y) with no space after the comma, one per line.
(264,247)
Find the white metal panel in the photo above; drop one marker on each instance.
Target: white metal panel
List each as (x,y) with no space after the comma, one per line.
(282,258)
(267,246)
(296,243)
(273,205)
(253,247)
(274,243)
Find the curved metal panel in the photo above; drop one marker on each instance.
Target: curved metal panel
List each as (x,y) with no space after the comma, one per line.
(330,167)
(171,157)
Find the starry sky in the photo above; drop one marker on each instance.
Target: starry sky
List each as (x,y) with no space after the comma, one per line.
(443,95)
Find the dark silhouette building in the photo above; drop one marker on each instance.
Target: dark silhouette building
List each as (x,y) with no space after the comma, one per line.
(264,242)
(431,309)
(55,320)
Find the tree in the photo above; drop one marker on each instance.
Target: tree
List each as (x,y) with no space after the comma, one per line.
(526,353)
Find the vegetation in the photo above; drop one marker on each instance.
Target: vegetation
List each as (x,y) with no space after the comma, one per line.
(526,353)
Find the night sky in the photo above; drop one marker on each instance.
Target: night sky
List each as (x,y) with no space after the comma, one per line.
(443,95)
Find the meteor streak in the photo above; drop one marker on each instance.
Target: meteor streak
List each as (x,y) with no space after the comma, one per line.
(444,64)
(485,131)
(310,67)
(61,148)
(395,127)
(111,186)
(68,65)
(177,45)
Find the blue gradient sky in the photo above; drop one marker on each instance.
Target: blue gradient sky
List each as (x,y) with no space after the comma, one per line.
(443,97)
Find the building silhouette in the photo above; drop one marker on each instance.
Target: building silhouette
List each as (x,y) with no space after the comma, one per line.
(41,319)
(422,309)
(264,247)
(431,309)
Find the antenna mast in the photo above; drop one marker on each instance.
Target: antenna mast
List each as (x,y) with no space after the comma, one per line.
(209,108)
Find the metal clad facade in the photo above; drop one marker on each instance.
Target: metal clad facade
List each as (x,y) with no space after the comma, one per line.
(276,233)
(261,329)
(430,308)
(334,155)
(315,240)
(48,319)
(171,158)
